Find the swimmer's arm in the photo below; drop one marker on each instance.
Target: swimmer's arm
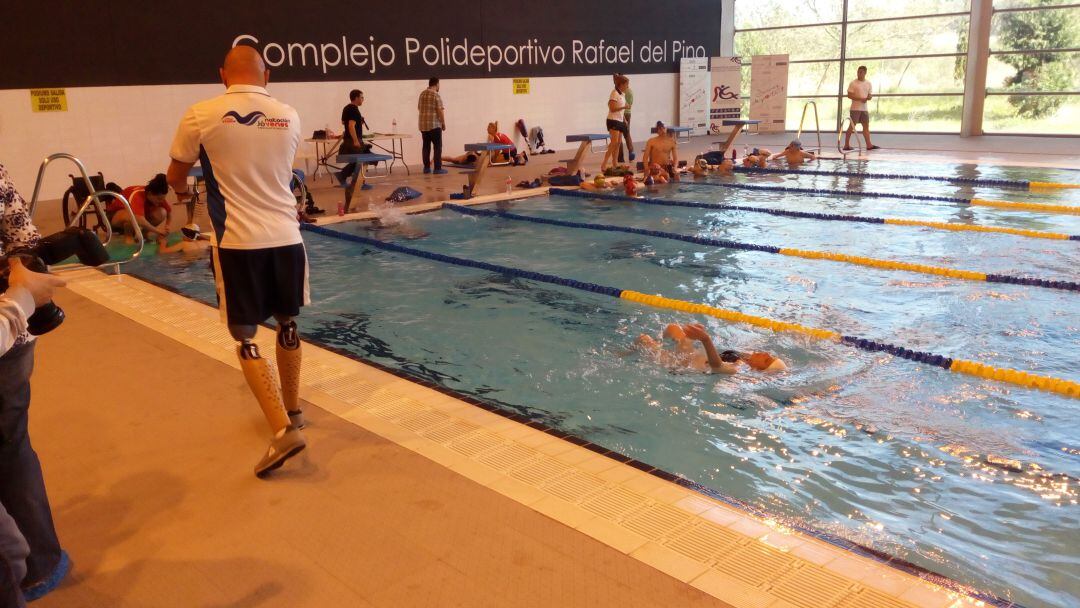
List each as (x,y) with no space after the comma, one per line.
(177,246)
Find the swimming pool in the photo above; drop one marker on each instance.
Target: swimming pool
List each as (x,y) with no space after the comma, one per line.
(936,468)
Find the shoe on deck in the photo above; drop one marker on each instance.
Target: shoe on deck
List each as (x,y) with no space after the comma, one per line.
(439,171)
(874,148)
(47,586)
(427,169)
(632,156)
(366,186)
(286,444)
(848,148)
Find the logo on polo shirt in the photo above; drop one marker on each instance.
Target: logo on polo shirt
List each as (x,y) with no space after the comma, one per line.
(255,118)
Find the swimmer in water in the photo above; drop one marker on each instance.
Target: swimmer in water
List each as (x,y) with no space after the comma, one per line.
(398,229)
(794,154)
(598,184)
(726,167)
(700,168)
(686,353)
(657,173)
(758,157)
(192,243)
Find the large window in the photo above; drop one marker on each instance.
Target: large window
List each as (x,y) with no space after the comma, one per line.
(916,54)
(1033,75)
(914,51)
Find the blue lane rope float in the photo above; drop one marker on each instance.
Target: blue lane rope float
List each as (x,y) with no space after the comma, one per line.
(954,273)
(951,226)
(1021,184)
(976,202)
(1060,386)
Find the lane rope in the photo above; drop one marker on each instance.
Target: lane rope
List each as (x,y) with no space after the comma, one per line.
(1021,184)
(953,273)
(1051,384)
(956,227)
(977,202)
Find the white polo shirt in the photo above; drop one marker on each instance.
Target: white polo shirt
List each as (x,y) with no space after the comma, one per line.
(859,88)
(245,141)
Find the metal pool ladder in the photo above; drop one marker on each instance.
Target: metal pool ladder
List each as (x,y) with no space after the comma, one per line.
(840,133)
(817,124)
(93,199)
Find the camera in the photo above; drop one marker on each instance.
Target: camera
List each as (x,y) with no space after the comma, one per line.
(78,242)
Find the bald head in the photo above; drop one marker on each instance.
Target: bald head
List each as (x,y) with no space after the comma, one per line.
(244,65)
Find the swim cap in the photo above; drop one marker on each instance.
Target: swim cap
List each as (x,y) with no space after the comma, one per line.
(599,181)
(795,144)
(190,232)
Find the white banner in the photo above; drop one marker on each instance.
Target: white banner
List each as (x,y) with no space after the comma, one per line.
(726,101)
(694,94)
(768,91)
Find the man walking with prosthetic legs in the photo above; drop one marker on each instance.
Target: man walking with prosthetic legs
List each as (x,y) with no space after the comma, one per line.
(245,142)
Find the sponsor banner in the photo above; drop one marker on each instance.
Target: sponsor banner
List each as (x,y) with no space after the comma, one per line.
(726,102)
(768,91)
(324,40)
(694,95)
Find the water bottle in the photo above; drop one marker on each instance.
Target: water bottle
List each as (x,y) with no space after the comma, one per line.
(745,153)
(509,185)
(341,208)
(393,126)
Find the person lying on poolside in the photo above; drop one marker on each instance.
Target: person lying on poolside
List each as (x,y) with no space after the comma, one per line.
(686,353)
(794,154)
(467,158)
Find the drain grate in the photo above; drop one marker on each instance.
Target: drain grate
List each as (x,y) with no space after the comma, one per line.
(450,431)
(868,598)
(508,456)
(705,541)
(476,444)
(422,420)
(755,564)
(811,587)
(395,407)
(614,502)
(575,487)
(657,521)
(536,473)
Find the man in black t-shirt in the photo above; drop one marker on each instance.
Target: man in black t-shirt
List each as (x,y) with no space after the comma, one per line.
(352,140)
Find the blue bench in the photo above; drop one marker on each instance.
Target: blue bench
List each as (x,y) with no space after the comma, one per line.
(359,173)
(573,165)
(676,131)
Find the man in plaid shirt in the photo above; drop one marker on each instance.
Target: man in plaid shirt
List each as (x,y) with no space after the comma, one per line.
(432,124)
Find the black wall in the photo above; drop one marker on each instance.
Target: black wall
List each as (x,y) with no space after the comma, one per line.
(48,43)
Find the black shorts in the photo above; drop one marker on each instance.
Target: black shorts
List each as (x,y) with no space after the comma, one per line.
(617,125)
(255,284)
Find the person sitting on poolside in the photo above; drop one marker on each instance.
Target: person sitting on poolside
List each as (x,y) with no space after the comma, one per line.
(192,243)
(687,355)
(511,155)
(152,212)
(662,150)
(794,154)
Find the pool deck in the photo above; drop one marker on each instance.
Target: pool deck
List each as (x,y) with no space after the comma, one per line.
(406,497)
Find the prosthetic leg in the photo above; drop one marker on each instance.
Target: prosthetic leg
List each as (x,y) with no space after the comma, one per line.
(288,363)
(287,440)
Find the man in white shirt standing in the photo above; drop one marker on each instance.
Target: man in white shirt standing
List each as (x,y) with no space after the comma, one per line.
(245,141)
(859,92)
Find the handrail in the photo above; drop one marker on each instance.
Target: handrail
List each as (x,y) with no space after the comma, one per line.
(95,199)
(840,133)
(817,123)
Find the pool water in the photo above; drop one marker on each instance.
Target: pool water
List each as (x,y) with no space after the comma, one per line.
(970,478)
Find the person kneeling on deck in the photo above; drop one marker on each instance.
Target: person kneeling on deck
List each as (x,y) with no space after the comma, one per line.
(152,212)
(687,354)
(260,265)
(794,154)
(662,150)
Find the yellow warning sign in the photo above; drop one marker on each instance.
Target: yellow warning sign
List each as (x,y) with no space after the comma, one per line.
(48,100)
(521,86)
